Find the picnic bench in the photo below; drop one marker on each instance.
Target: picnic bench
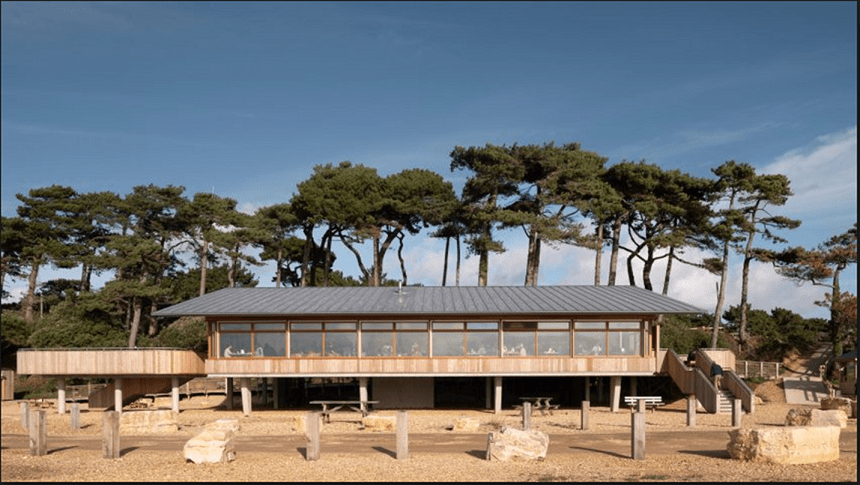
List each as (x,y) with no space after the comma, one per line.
(540,403)
(650,401)
(329,407)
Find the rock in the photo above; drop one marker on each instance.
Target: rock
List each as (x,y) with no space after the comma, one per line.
(214,444)
(785,445)
(510,443)
(816,417)
(842,403)
(379,423)
(148,422)
(468,425)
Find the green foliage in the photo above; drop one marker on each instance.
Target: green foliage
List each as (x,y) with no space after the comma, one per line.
(35,387)
(683,333)
(779,332)
(82,323)
(14,330)
(185,286)
(185,333)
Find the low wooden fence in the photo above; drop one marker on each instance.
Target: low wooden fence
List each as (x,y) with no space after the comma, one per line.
(748,369)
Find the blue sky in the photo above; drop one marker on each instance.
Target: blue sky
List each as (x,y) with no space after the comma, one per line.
(244,99)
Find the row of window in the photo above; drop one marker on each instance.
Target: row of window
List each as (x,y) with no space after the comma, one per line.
(413,339)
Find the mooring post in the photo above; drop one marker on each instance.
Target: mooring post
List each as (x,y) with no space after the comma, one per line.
(584,417)
(638,435)
(38,433)
(110,435)
(402,435)
(312,435)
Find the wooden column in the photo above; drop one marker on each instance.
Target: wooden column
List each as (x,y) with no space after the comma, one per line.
(75,415)
(737,413)
(527,415)
(312,435)
(61,395)
(110,434)
(691,410)
(25,414)
(637,439)
(38,433)
(402,435)
(584,416)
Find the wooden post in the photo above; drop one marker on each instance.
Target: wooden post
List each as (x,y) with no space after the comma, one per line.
(736,413)
(312,436)
(110,435)
(402,435)
(75,415)
(584,420)
(691,411)
(527,415)
(497,383)
(25,415)
(638,435)
(640,406)
(38,433)
(614,393)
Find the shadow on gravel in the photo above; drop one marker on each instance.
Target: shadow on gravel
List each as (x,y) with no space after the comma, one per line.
(709,453)
(62,448)
(386,451)
(482,454)
(595,450)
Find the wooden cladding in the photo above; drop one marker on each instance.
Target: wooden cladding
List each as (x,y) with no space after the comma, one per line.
(109,362)
(437,366)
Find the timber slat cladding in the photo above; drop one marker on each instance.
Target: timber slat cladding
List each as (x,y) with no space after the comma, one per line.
(435,366)
(110,362)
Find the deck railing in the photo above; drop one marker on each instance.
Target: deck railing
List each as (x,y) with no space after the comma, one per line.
(748,369)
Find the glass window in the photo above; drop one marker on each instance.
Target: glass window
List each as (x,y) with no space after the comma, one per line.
(270,326)
(554,343)
(412,344)
(236,326)
(376,326)
(448,343)
(412,326)
(553,326)
(340,326)
(624,325)
(306,326)
(447,325)
(623,343)
(270,344)
(520,326)
(590,343)
(518,343)
(590,325)
(377,344)
(340,344)
(236,344)
(306,344)
(482,343)
(482,325)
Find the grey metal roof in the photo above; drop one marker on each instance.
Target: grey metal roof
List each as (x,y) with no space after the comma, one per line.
(424,300)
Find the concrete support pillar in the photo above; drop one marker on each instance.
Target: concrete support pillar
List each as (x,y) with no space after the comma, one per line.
(117,395)
(246,396)
(614,393)
(497,383)
(174,394)
(362,390)
(488,392)
(61,395)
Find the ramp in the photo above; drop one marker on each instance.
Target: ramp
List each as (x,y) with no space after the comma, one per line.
(804,390)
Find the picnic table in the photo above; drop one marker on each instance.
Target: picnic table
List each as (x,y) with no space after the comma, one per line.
(540,403)
(329,407)
(649,401)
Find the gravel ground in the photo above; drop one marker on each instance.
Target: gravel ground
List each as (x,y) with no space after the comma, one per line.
(72,464)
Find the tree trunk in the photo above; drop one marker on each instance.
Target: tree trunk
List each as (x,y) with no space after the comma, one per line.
(135,322)
(445,263)
(598,254)
(30,300)
(280,264)
(721,296)
(204,263)
(742,326)
(457,275)
(668,270)
(613,257)
(400,257)
(306,256)
(530,259)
